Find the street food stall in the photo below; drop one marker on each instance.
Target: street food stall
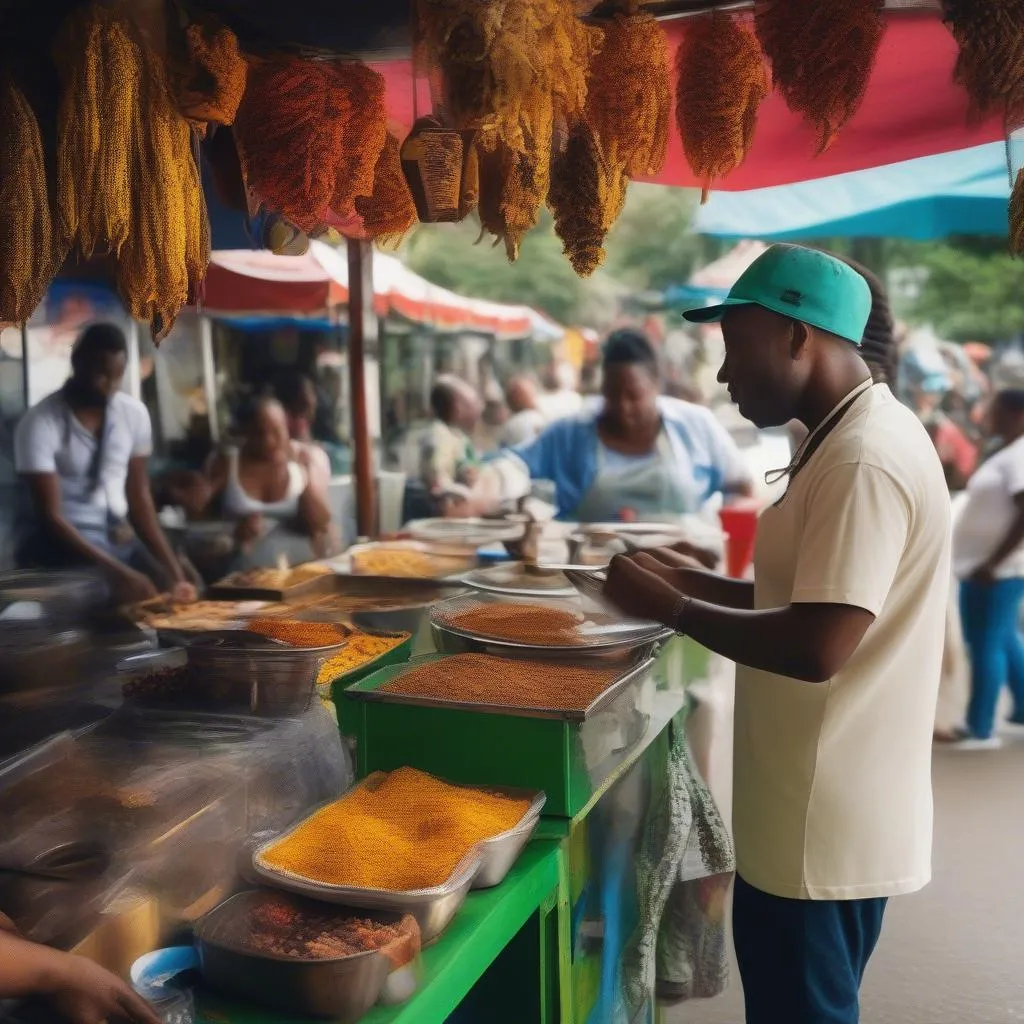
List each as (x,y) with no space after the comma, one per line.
(524,833)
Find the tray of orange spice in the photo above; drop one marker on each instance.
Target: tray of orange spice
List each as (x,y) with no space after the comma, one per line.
(404,841)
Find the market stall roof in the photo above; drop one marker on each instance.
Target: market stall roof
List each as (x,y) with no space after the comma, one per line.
(912,109)
(964,192)
(243,282)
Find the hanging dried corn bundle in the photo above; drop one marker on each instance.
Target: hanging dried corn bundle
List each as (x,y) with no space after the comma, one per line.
(586,196)
(629,99)
(821,56)
(102,69)
(389,213)
(27,256)
(469,194)
(297,130)
(166,254)
(1017,215)
(207,74)
(990,65)
(721,82)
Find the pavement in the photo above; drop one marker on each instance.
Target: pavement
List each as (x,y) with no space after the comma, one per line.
(953,953)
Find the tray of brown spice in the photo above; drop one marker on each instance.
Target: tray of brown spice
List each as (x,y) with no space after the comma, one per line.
(539,629)
(491,684)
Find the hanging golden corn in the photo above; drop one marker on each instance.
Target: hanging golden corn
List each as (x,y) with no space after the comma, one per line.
(721,82)
(821,56)
(1017,215)
(586,196)
(207,74)
(28,259)
(990,65)
(469,197)
(629,98)
(364,134)
(389,213)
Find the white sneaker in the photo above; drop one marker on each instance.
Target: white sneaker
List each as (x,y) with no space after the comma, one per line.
(974,743)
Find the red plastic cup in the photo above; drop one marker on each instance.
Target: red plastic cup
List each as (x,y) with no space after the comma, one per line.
(739,522)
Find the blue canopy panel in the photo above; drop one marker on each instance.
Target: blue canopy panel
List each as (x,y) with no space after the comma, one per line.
(964,192)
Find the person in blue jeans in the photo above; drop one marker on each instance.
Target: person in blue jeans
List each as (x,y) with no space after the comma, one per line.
(988,557)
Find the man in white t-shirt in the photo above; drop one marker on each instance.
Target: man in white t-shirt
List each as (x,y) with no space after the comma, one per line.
(838,641)
(82,453)
(988,557)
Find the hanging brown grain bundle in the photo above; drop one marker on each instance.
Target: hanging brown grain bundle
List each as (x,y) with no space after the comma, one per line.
(629,99)
(586,196)
(167,251)
(821,56)
(469,196)
(1017,215)
(27,256)
(990,65)
(295,130)
(207,74)
(388,213)
(364,134)
(102,64)
(721,82)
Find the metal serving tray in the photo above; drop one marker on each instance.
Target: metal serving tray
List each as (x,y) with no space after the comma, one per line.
(484,866)
(370,689)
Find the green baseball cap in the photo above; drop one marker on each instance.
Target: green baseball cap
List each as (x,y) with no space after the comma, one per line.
(801,283)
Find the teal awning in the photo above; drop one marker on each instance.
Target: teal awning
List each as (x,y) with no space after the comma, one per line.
(959,193)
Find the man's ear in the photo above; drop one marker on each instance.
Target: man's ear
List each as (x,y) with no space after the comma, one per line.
(799,340)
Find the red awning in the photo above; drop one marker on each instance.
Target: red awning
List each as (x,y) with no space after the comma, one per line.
(912,109)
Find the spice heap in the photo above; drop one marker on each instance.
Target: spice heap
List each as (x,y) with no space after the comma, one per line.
(280,927)
(360,648)
(398,832)
(484,679)
(525,623)
(395,562)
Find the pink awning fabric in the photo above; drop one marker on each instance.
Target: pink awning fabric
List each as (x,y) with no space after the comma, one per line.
(912,109)
(257,281)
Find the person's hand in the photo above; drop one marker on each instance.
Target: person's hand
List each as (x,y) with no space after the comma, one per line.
(133,587)
(249,529)
(85,993)
(638,591)
(184,592)
(667,563)
(704,558)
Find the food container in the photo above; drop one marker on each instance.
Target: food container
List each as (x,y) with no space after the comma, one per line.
(484,866)
(342,989)
(600,635)
(241,669)
(398,655)
(66,596)
(571,753)
(411,560)
(286,585)
(470,532)
(520,579)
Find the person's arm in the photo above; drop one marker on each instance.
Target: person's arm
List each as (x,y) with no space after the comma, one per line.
(1011,541)
(142,513)
(80,990)
(674,566)
(852,541)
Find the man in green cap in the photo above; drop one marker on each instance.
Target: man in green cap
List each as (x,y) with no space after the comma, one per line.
(838,641)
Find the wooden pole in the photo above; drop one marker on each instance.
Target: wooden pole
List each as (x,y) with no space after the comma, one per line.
(362,333)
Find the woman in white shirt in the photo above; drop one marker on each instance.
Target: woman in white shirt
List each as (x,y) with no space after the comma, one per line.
(988,558)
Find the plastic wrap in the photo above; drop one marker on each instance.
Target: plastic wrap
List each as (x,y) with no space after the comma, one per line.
(170,799)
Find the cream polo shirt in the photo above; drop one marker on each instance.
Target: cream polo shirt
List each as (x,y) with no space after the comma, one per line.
(833,795)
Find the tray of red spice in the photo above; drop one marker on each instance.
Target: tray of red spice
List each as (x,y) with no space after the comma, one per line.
(403,841)
(301,957)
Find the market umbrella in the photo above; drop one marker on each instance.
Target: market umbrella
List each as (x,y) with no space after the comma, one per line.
(963,192)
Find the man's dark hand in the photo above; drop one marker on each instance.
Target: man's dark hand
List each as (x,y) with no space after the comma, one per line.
(705,559)
(984,575)
(85,993)
(634,589)
(133,587)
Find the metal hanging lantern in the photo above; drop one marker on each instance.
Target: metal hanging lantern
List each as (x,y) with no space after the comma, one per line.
(433,162)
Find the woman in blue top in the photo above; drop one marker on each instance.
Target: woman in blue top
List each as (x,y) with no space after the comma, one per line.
(639,455)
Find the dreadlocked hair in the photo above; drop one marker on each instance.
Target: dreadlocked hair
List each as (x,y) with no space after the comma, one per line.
(878,345)
(629,98)
(309,134)
(207,74)
(821,56)
(586,196)
(990,64)
(721,81)
(27,253)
